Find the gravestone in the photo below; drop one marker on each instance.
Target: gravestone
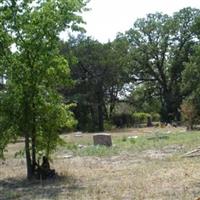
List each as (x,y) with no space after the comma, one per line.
(102,139)
(149,122)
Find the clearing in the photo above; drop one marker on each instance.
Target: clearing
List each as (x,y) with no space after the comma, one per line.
(149,166)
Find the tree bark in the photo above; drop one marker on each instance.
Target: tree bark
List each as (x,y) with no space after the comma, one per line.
(100,108)
(100,118)
(33,153)
(28,157)
(93,118)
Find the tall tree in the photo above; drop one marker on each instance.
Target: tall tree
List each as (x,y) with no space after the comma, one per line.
(99,74)
(30,105)
(159,47)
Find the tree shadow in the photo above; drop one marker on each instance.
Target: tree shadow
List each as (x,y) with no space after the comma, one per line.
(21,188)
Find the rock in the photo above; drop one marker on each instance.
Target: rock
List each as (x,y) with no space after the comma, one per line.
(80,146)
(68,156)
(65,156)
(149,122)
(133,137)
(78,134)
(169,125)
(102,139)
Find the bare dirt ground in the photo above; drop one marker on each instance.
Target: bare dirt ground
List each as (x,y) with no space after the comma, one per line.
(159,174)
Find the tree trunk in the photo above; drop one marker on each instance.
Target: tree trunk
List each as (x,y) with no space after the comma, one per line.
(100,108)
(33,153)
(168,111)
(112,107)
(28,157)
(100,118)
(171,101)
(33,139)
(93,118)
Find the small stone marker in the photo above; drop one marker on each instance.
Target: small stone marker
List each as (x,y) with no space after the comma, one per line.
(78,134)
(102,139)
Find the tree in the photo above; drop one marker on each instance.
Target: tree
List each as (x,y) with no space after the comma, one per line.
(159,47)
(30,104)
(189,113)
(99,74)
(190,81)
(142,100)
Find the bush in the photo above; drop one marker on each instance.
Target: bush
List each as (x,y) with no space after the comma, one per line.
(141,118)
(123,120)
(129,120)
(124,138)
(155,117)
(108,126)
(189,113)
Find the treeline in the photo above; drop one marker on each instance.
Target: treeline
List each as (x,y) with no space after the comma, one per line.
(48,85)
(153,67)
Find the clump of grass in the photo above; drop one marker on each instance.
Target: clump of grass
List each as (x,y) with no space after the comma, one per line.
(98,150)
(71,146)
(159,136)
(132,140)
(11,195)
(124,138)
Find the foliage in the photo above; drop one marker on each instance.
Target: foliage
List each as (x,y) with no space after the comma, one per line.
(123,107)
(189,113)
(141,117)
(190,83)
(123,120)
(155,117)
(132,119)
(108,126)
(159,47)
(30,104)
(98,71)
(142,100)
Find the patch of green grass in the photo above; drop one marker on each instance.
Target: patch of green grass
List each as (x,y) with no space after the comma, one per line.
(124,138)
(11,195)
(98,150)
(70,146)
(157,140)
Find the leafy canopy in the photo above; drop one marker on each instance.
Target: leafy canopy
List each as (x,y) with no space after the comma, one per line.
(30,104)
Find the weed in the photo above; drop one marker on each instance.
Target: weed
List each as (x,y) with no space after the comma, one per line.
(124,138)
(98,150)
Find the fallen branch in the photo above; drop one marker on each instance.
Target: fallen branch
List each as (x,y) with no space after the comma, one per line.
(192,153)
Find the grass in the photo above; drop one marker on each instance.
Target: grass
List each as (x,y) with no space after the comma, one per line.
(148,166)
(156,140)
(98,151)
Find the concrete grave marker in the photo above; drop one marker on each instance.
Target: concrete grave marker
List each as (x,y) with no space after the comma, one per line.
(102,139)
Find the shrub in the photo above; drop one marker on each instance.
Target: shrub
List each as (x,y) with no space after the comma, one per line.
(108,125)
(132,140)
(141,118)
(124,138)
(155,117)
(189,113)
(128,120)
(123,120)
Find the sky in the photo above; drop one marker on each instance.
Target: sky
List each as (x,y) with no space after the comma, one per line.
(108,17)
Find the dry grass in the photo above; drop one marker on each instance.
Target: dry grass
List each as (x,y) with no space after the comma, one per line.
(153,173)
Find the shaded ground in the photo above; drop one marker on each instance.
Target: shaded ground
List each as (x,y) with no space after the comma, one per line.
(151,173)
